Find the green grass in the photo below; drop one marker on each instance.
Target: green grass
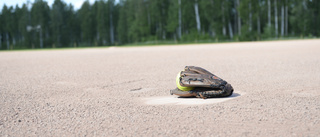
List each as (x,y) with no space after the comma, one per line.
(62,48)
(164,43)
(160,43)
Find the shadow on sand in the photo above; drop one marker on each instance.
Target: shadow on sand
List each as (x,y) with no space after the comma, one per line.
(232,96)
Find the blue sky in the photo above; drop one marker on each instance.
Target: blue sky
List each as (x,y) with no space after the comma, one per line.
(76,3)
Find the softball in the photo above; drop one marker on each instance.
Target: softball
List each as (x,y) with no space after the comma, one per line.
(181,87)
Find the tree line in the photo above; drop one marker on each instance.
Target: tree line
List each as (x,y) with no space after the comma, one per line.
(106,22)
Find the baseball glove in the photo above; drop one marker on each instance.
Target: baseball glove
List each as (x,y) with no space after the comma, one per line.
(198,82)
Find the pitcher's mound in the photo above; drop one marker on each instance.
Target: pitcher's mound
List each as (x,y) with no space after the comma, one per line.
(175,100)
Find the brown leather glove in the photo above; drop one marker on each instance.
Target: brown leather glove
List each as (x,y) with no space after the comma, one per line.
(205,84)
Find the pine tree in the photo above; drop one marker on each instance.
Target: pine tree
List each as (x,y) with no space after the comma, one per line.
(173,22)
(122,28)
(7,20)
(40,14)
(111,20)
(1,29)
(102,23)
(87,23)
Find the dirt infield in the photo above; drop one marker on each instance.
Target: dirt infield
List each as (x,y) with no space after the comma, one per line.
(125,91)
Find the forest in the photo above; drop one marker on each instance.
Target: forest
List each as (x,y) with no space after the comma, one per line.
(37,25)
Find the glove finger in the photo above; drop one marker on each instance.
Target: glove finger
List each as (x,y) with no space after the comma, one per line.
(202,80)
(193,71)
(188,73)
(197,70)
(193,81)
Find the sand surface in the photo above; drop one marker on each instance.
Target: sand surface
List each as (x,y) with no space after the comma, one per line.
(125,91)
